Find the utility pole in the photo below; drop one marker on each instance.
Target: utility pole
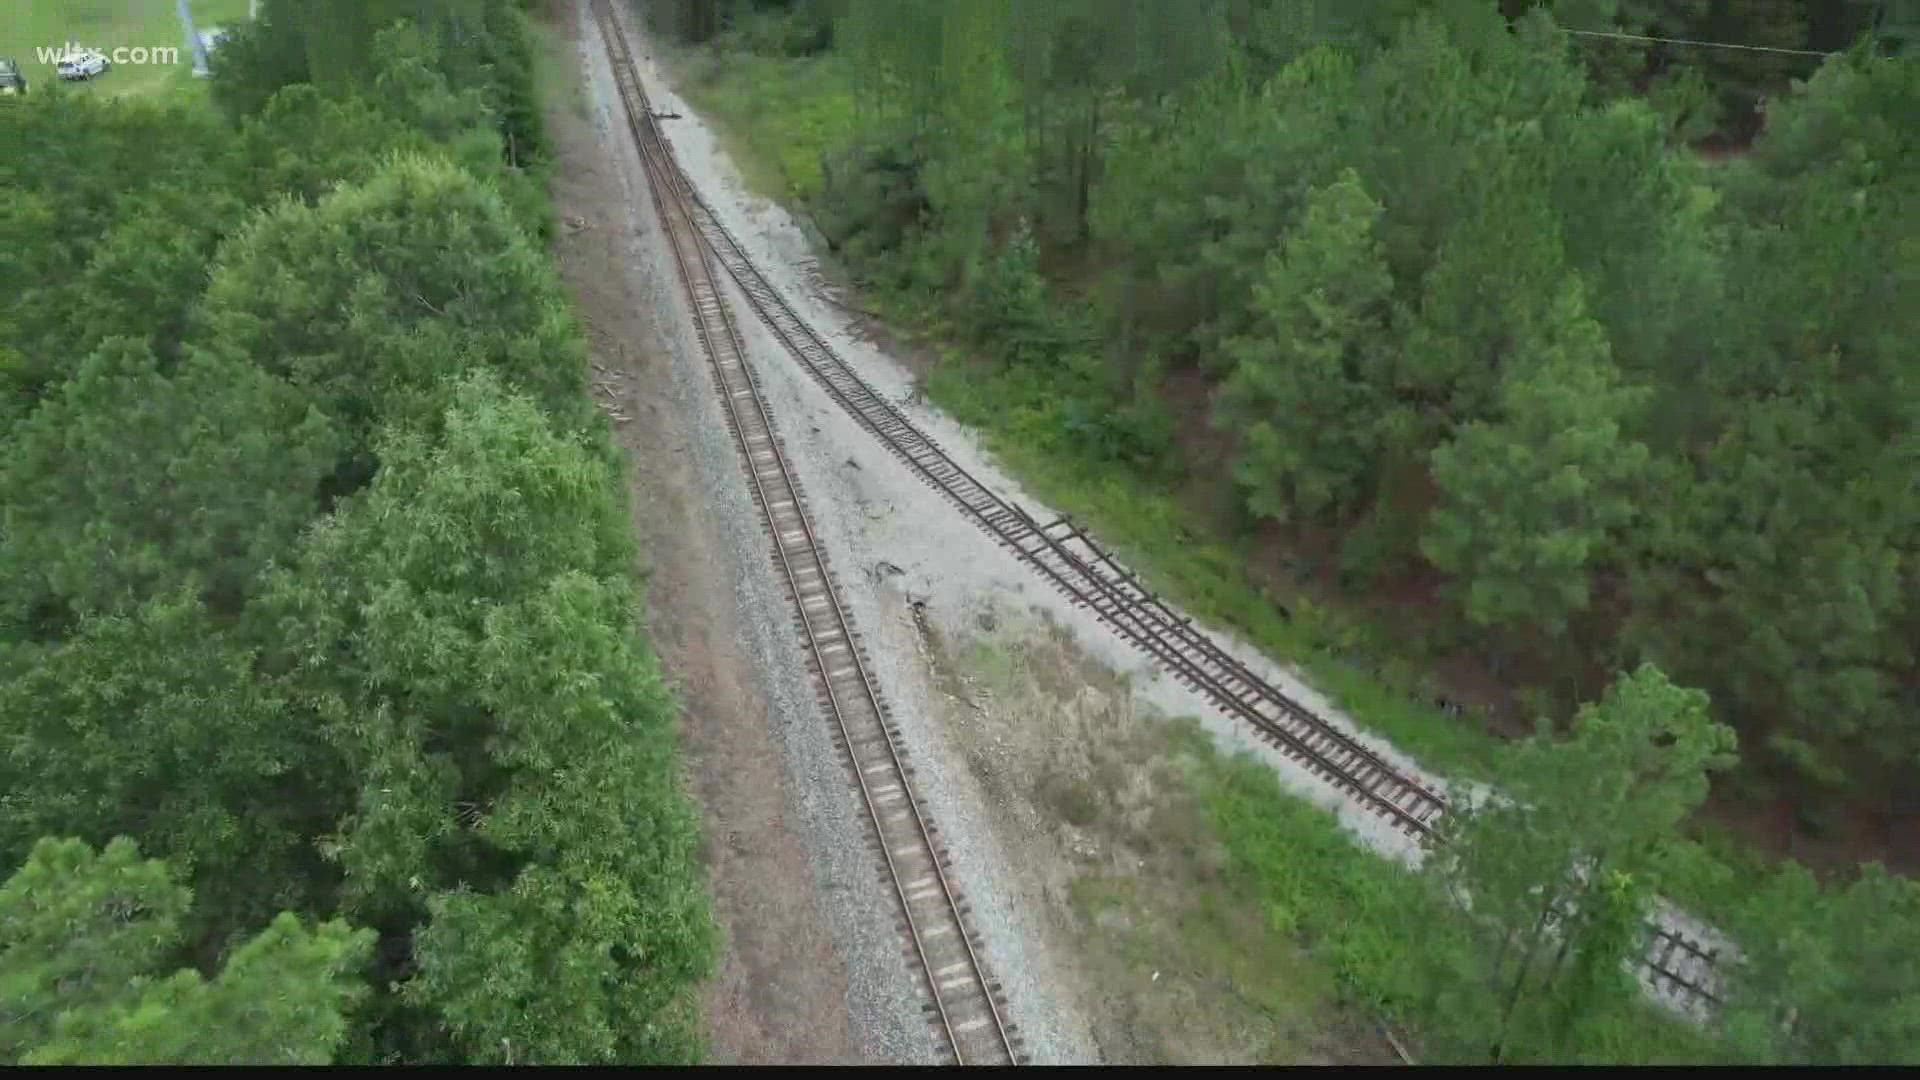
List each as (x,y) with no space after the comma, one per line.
(195,47)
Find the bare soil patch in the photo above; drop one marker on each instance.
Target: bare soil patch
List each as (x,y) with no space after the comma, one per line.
(1092,798)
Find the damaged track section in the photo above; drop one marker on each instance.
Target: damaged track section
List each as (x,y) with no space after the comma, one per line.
(963,1004)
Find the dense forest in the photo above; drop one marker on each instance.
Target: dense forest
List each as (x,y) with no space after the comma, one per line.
(1442,306)
(327,728)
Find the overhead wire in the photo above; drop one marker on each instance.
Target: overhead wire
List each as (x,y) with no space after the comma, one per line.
(1698,43)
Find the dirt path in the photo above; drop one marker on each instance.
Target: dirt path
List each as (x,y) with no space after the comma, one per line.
(781,992)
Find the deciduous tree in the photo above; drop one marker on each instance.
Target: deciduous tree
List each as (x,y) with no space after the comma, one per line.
(83,937)
(1556,872)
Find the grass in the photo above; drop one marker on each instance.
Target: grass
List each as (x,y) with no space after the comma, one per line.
(107,24)
(1386,946)
(1179,957)
(781,112)
(1222,918)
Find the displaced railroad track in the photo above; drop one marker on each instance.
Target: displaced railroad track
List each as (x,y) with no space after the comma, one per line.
(964,1005)
(1674,964)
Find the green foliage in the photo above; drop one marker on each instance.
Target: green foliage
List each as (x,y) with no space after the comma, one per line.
(130,483)
(154,723)
(84,935)
(1532,501)
(1556,879)
(257,58)
(370,300)
(303,143)
(316,579)
(76,929)
(453,64)
(1007,302)
(1297,388)
(98,238)
(1354,911)
(1830,977)
(1606,396)
(519,786)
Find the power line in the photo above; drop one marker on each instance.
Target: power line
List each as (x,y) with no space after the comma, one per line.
(1703,44)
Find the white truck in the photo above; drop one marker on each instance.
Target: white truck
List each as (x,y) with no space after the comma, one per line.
(81,64)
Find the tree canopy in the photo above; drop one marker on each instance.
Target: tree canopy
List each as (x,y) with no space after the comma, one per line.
(316,581)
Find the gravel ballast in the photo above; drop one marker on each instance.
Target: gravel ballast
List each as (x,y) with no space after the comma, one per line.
(945,558)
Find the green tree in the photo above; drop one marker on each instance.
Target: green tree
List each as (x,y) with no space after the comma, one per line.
(76,930)
(1530,502)
(1800,435)
(372,299)
(83,935)
(99,239)
(464,633)
(304,144)
(1828,977)
(1301,388)
(1555,874)
(130,483)
(156,724)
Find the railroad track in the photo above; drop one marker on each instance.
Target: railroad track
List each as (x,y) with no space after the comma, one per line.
(963,1004)
(1073,563)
